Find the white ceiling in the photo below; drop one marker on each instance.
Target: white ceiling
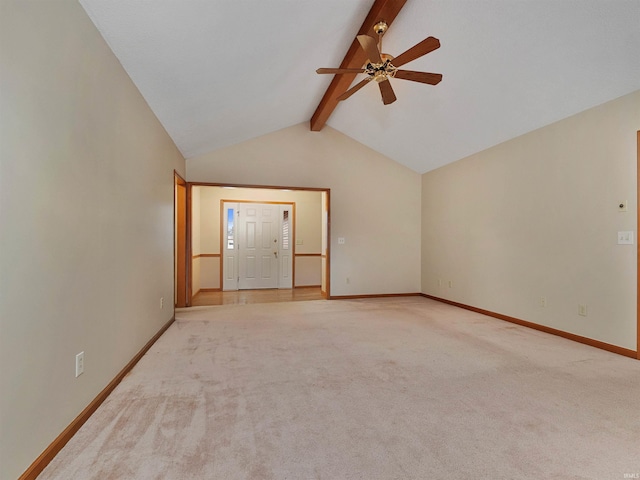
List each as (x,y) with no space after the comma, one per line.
(219,72)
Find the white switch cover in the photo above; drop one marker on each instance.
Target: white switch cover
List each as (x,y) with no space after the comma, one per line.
(625,238)
(79,364)
(340,240)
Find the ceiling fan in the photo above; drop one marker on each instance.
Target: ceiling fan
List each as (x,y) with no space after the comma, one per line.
(381,66)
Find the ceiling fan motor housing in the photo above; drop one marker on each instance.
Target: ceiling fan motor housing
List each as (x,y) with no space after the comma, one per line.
(380,71)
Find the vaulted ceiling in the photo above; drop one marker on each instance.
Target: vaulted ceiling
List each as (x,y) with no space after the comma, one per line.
(219,72)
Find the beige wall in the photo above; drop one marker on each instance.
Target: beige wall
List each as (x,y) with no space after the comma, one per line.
(375,202)
(86,211)
(206,229)
(538,217)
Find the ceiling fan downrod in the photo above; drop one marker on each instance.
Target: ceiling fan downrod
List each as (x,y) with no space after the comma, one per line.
(380,28)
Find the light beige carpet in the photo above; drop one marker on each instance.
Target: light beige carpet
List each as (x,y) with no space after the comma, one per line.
(402,388)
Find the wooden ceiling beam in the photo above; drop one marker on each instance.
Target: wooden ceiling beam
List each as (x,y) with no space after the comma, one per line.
(386,10)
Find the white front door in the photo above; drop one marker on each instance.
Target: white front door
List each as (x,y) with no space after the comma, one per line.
(258,245)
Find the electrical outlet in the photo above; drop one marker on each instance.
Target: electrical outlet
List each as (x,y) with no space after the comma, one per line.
(543,302)
(622,206)
(161,302)
(341,240)
(582,310)
(450,283)
(440,282)
(348,280)
(79,364)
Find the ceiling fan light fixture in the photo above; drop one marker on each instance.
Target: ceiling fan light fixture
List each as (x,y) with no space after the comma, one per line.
(380,76)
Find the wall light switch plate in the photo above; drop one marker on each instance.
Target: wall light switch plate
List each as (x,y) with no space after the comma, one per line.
(625,238)
(341,241)
(79,364)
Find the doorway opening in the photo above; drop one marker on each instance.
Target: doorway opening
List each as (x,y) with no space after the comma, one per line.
(253,244)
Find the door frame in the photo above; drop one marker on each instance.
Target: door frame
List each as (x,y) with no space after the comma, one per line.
(326,254)
(181,248)
(222,242)
(638,246)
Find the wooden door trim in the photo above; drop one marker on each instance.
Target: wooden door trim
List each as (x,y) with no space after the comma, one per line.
(260,187)
(328,251)
(181,248)
(189,249)
(638,248)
